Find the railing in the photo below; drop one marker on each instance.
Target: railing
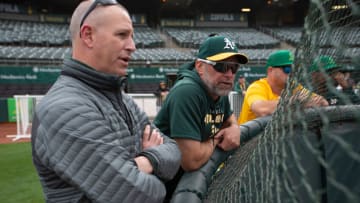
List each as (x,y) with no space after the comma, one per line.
(236,101)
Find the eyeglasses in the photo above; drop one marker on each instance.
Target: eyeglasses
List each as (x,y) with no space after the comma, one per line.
(222,67)
(93,6)
(285,69)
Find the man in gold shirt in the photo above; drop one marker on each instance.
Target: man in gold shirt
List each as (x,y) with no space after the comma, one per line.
(262,96)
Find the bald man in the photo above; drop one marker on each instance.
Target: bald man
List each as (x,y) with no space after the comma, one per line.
(90,141)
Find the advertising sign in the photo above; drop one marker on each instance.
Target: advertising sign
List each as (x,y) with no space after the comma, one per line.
(145,75)
(251,73)
(29,75)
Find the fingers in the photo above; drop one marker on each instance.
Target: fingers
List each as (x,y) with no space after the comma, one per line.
(155,136)
(219,135)
(229,138)
(144,164)
(228,144)
(151,137)
(146,135)
(148,131)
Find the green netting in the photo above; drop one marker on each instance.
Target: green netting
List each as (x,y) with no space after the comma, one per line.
(305,155)
(313,159)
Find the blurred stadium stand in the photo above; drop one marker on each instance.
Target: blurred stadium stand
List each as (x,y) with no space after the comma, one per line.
(292,35)
(23,33)
(32,43)
(31,40)
(35,42)
(243,37)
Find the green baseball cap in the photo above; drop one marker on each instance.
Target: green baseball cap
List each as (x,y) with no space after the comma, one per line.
(280,58)
(218,48)
(324,62)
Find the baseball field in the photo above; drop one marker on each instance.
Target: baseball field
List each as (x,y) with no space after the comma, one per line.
(18,179)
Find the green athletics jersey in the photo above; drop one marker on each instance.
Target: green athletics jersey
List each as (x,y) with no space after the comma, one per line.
(189,112)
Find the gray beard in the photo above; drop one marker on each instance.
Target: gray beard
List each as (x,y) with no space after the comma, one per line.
(214,90)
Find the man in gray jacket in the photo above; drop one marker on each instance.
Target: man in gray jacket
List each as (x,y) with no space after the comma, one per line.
(90,141)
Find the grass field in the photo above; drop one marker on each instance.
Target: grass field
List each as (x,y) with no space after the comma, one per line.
(18,179)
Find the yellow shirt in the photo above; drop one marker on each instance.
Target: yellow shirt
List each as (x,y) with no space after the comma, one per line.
(258,90)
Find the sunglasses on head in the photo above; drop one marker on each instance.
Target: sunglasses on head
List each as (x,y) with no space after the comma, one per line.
(93,6)
(223,67)
(285,69)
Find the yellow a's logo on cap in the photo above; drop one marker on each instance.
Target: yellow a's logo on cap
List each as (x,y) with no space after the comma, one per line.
(229,44)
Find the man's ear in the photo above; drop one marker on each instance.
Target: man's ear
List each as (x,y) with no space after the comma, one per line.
(199,67)
(86,34)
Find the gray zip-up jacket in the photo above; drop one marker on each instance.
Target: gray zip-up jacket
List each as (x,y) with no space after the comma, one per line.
(86,133)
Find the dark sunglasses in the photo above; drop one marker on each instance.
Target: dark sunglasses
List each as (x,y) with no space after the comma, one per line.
(223,67)
(285,69)
(93,6)
(335,70)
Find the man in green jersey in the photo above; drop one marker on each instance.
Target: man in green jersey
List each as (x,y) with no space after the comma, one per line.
(196,112)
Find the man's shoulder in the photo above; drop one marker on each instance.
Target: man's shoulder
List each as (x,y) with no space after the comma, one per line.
(186,94)
(67,91)
(187,86)
(259,83)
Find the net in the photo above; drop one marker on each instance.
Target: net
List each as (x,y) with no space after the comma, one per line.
(25,106)
(306,155)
